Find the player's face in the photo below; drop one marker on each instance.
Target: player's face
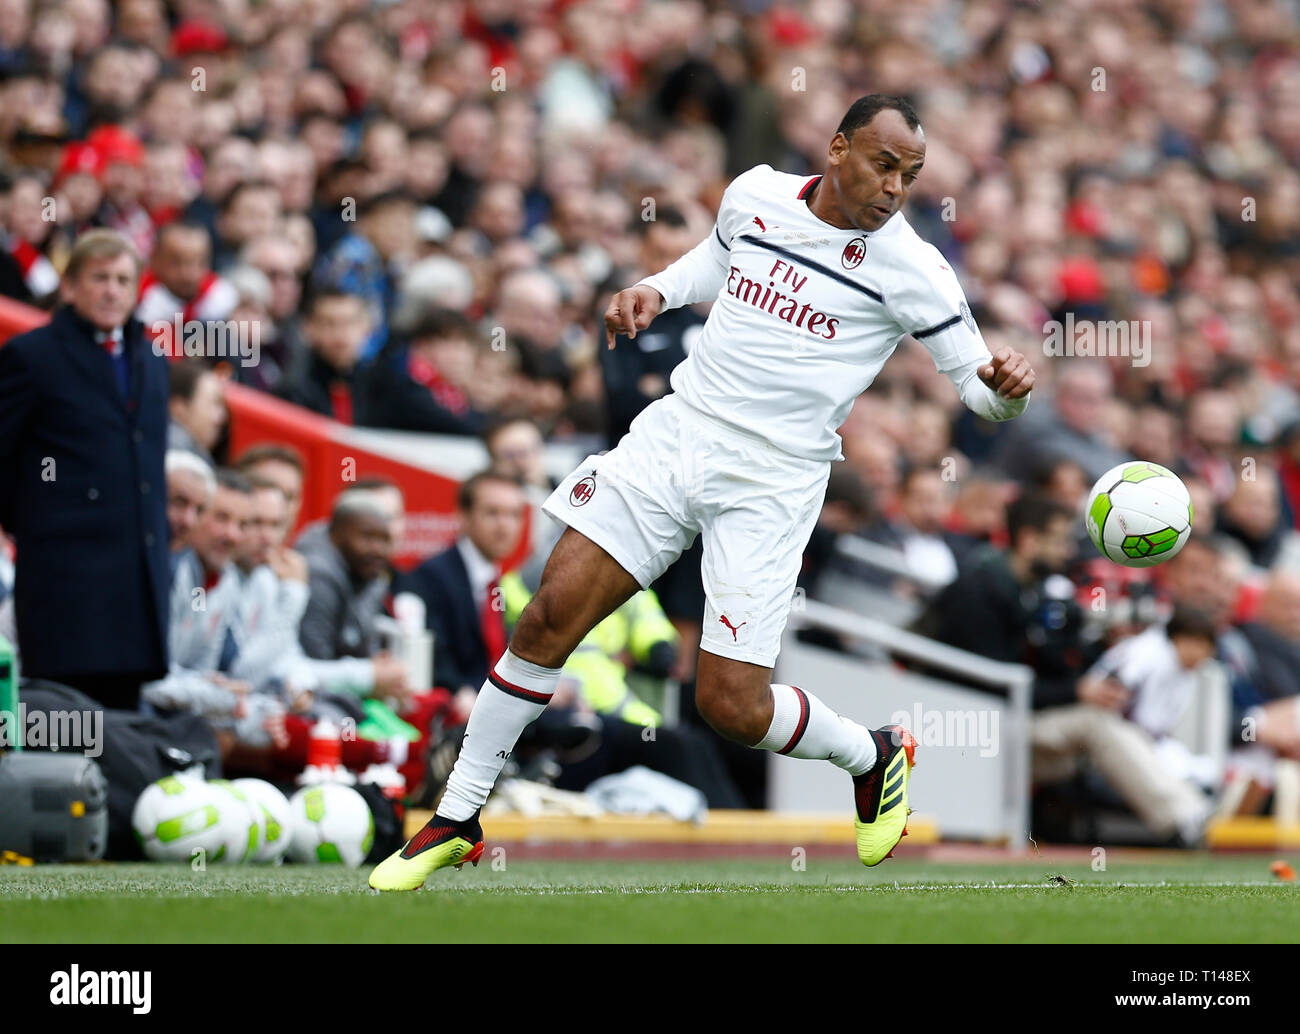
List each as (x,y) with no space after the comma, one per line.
(873,173)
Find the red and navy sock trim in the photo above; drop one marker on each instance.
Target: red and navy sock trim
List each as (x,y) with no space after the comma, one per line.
(519,692)
(802,726)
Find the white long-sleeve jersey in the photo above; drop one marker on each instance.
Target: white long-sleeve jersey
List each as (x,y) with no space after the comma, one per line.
(805,315)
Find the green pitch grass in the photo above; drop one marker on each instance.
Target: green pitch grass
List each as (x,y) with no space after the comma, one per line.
(1173,898)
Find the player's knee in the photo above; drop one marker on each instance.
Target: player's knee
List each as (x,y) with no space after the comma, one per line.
(539,635)
(731,710)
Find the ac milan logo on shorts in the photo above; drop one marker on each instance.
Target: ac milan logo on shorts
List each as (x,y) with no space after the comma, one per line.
(854,252)
(582,492)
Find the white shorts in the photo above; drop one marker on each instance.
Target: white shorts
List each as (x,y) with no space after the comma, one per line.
(678,473)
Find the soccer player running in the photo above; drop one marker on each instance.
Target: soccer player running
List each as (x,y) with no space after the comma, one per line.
(815,281)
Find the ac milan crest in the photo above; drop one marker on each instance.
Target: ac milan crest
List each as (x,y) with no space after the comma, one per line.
(581,493)
(854,252)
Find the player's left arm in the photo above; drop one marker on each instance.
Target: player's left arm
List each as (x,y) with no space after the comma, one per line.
(927,302)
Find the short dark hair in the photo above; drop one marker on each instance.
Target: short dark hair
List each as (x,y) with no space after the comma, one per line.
(468,493)
(326,292)
(183,378)
(665,215)
(228,202)
(864,109)
(180,226)
(848,487)
(1044,470)
(1031,511)
(916,470)
(234,480)
(498,423)
(438,324)
(264,484)
(276,451)
(1193,623)
(393,196)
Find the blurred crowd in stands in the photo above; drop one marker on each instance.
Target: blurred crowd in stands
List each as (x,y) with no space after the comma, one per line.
(425,204)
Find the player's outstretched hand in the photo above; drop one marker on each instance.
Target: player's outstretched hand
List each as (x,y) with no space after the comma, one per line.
(631,310)
(1009,374)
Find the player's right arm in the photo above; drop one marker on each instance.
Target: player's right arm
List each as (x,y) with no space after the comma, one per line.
(697,276)
(927,302)
(631,310)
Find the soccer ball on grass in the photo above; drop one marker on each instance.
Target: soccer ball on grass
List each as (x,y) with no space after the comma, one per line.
(332,824)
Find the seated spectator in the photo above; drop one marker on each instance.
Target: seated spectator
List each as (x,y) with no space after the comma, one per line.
(180,283)
(282,337)
(434,282)
(196,406)
(422,387)
(920,532)
(1213,432)
(528,310)
(1251,517)
(1063,480)
(205,605)
(121,158)
(1067,426)
(348,583)
(229,161)
(26,272)
(368,260)
(273,596)
(461,585)
(315,534)
(1151,678)
(516,449)
(325,379)
(252,209)
(979,507)
(191,486)
(274,582)
(282,465)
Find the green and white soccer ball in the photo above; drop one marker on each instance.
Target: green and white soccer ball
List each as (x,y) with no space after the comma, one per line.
(332,824)
(277,818)
(243,823)
(179,815)
(1139,514)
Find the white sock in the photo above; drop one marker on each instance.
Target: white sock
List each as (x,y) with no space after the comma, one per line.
(515,693)
(804,727)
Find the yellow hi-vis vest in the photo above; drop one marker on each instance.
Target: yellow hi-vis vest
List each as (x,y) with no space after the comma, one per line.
(596,663)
